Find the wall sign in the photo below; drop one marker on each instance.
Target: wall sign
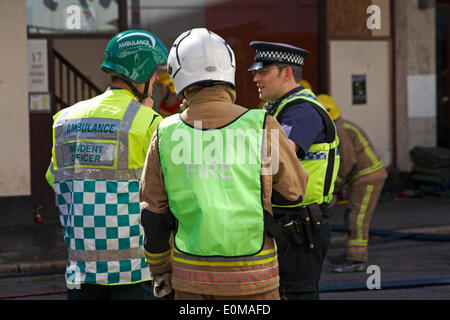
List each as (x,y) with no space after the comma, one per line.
(40,102)
(37,65)
(359,89)
(422,97)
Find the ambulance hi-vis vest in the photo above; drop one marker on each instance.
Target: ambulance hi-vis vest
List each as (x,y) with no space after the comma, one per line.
(322,160)
(213,183)
(99,149)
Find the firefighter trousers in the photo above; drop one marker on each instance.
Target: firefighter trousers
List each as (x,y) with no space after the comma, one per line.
(362,201)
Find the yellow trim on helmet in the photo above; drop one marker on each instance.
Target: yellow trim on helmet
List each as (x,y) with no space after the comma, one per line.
(329,104)
(306,84)
(165,79)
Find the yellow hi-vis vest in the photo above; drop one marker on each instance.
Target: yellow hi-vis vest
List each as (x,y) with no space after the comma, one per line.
(99,150)
(213,183)
(322,160)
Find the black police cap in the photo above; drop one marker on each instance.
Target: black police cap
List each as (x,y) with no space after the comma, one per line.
(268,53)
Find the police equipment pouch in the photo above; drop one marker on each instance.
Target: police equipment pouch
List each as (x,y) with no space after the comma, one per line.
(296,225)
(315,213)
(291,229)
(274,229)
(305,223)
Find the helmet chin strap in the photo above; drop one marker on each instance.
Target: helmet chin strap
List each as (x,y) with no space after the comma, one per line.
(139,95)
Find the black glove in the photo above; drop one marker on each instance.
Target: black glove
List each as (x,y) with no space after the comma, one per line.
(162,285)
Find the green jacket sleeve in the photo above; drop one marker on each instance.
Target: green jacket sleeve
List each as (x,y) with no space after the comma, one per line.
(49,176)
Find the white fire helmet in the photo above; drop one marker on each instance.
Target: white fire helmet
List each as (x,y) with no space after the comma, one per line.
(199,56)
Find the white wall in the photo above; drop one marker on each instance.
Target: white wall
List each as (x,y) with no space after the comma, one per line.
(415,63)
(14,115)
(372,58)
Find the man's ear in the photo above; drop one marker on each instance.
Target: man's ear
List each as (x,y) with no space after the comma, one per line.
(155,76)
(288,74)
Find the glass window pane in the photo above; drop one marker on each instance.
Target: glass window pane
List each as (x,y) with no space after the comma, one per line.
(72,16)
(167,18)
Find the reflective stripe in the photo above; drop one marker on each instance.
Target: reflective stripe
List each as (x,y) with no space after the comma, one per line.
(111,284)
(210,277)
(304,95)
(262,257)
(357,243)
(91,128)
(323,172)
(125,126)
(361,214)
(321,155)
(157,258)
(59,132)
(89,154)
(377,164)
(68,134)
(364,142)
(97,174)
(367,171)
(105,255)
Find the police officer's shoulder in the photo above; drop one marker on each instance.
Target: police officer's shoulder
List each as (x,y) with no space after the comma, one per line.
(303,109)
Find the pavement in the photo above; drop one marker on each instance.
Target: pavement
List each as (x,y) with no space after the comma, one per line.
(409,268)
(40,246)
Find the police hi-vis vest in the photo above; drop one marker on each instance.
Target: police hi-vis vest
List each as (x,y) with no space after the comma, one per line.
(213,183)
(99,149)
(322,160)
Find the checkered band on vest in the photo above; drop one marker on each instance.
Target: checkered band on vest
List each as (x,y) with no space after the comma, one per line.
(100,216)
(322,155)
(280,56)
(224,277)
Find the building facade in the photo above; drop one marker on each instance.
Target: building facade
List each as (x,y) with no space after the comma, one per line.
(385,62)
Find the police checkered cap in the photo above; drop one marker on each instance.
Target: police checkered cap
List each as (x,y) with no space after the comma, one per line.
(267,53)
(280,56)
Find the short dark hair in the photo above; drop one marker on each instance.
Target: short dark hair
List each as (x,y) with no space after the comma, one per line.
(297,71)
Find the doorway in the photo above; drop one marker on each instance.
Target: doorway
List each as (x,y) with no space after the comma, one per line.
(442,72)
(74,37)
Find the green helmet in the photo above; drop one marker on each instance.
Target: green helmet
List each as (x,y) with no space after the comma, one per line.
(134,55)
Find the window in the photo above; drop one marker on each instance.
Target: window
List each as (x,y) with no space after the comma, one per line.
(72,16)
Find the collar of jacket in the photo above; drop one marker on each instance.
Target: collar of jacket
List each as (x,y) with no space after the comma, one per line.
(272,106)
(116,90)
(221,93)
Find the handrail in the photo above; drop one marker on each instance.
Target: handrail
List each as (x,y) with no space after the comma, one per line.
(76,71)
(65,83)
